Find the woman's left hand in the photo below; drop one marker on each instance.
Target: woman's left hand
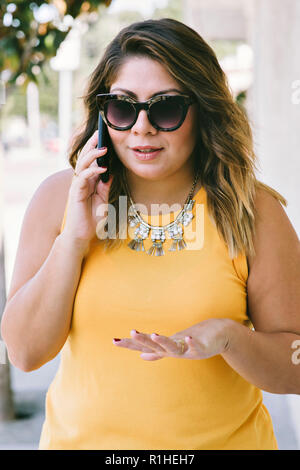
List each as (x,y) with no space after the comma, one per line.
(201,341)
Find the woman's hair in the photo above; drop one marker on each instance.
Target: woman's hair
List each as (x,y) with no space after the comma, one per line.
(224,151)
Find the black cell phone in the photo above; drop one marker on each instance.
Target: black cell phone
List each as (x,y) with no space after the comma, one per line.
(103,141)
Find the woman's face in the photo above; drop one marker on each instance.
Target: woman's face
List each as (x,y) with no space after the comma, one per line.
(144,78)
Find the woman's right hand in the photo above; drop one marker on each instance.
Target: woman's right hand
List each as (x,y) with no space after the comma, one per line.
(85,194)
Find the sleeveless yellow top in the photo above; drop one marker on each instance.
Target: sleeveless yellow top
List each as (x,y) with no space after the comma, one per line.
(107,397)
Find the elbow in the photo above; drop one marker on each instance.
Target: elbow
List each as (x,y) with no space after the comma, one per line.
(22,353)
(17,357)
(25,362)
(19,362)
(23,367)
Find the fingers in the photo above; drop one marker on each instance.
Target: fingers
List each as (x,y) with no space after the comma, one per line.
(89,153)
(140,342)
(91,143)
(156,345)
(89,159)
(150,356)
(191,344)
(104,187)
(84,175)
(129,344)
(146,341)
(171,345)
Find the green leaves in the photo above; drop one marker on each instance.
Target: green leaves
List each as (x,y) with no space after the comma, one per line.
(32,31)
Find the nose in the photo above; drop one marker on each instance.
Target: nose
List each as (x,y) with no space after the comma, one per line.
(142,124)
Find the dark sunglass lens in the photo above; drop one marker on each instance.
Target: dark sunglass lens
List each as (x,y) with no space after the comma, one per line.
(166,113)
(119,113)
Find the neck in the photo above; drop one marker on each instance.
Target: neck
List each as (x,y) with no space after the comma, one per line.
(169,191)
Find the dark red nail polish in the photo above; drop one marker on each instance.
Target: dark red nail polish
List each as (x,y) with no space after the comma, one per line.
(117,339)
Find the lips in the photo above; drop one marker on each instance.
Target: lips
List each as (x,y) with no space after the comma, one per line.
(146,152)
(144,148)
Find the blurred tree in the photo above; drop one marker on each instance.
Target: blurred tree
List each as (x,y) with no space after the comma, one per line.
(31,32)
(241,99)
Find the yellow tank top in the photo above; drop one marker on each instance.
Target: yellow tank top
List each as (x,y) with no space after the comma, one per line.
(108,397)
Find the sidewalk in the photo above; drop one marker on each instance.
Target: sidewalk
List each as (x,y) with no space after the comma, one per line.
(23,433)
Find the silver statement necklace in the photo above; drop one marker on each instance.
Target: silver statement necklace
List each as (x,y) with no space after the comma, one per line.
(158,233)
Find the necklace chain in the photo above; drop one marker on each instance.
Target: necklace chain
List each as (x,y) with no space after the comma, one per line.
(158,236)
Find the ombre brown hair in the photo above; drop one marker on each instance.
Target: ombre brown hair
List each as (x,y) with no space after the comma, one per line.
(224,151)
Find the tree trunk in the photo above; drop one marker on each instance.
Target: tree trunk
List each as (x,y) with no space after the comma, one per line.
(6,399)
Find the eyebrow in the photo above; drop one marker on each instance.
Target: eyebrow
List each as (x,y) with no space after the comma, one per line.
(130,93)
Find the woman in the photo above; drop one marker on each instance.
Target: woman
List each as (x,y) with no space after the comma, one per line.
(166,339)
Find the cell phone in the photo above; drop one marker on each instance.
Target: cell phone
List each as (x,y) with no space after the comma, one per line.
(103,141)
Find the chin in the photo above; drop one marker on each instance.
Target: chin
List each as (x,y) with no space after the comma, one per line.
(149,173)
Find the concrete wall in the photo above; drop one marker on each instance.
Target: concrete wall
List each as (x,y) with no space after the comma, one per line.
(218,19)
(275,103)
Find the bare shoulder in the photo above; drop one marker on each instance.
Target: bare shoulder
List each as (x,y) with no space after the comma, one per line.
(53,194)
(274,271)
(273,228)
(40,227)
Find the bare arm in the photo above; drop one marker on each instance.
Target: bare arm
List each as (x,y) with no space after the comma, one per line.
(36,320)
(37,315)
(269,356)
(270,361)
